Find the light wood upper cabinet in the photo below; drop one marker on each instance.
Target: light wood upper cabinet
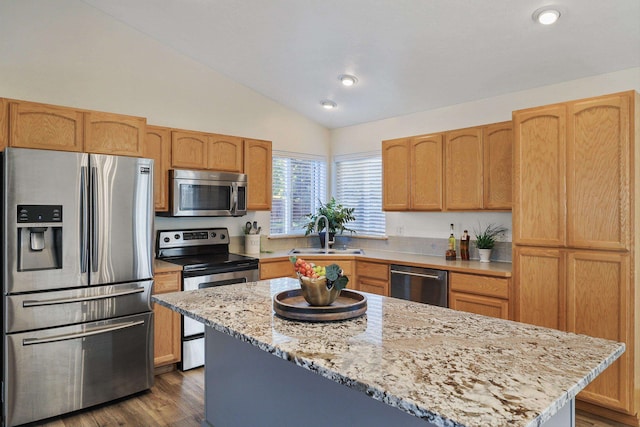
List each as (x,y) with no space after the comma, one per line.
(158,147)
(598,173)
(497,173)
(463,169)
(539,216)
(42,126)
(117,134)
(395,174)
(540,295)
(257,166)
(426,172)
(4,123)
(225,153)
(189,149)
(598,292)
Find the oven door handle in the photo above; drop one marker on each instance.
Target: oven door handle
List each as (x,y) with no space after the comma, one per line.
(66,337)
(38,303)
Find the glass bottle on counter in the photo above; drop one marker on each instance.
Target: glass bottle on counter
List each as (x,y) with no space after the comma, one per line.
(464,245)
(451,251)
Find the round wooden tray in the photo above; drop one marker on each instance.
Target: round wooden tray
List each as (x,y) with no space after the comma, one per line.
(292,305)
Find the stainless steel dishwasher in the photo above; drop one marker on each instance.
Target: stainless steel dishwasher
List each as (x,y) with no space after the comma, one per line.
(424,285)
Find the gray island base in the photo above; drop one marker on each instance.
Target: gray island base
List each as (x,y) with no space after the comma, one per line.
(402,364)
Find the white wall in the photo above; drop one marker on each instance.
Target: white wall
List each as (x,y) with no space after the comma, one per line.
(65,52)
(368,136)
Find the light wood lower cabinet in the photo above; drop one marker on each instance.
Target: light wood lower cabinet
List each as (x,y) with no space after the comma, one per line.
(274,269)
(166,330)
(477,294)
(372,277)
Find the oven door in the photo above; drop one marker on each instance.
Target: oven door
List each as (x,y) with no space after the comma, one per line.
(192,327)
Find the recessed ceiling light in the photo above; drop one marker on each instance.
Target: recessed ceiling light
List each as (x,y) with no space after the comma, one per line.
(328,105)
(546,15)
(347,79)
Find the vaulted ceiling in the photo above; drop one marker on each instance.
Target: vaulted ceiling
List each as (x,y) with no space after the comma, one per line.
(408,55)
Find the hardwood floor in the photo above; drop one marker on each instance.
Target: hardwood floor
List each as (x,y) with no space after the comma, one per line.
(177,399)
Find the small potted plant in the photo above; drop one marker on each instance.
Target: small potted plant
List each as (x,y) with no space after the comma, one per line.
(337,215)
(486,240)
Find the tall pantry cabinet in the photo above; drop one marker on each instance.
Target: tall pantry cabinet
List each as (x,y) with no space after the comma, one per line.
(574,232)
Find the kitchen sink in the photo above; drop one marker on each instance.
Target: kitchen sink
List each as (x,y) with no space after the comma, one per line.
(317,251)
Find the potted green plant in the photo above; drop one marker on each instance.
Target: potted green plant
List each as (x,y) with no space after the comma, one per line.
(337,215)
(486,240)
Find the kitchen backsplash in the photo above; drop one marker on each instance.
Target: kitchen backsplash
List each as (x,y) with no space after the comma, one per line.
(417,245)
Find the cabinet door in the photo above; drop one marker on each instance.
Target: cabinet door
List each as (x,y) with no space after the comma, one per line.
(374,286)
(166,331)
(116,134)
(540,287)
(599,302)
(426,172)
(157,146)
(224,153)
(395,175)
(257,166)
(4,123)
(598,173)
(47,127)
(463,169)
(539,176)
(275,269)
(372,277)
(498,164)
(189,150)
(479,304)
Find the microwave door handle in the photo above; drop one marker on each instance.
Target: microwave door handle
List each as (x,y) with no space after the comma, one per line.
(234,200)
(84,222)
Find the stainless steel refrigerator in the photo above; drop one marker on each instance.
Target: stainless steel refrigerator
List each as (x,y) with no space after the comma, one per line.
(77,239)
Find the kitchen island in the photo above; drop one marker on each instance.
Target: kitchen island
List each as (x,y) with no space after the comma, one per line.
(401,364)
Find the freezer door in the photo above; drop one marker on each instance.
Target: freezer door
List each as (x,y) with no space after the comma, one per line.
(121,236)
(50,254)
(55,371)
(25,312)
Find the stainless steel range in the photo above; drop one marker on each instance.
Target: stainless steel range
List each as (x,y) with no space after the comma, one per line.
(77,325)
(206,262)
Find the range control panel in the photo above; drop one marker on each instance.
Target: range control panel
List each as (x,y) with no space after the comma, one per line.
(200,237)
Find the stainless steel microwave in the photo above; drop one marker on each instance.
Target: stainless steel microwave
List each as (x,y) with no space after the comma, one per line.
(203,193)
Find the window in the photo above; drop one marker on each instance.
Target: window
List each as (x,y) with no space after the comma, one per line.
(299,183)
(359,185)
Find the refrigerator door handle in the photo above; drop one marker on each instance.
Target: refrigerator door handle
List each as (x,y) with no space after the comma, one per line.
(38,303)
(65,337)
(84,220)
(94,219)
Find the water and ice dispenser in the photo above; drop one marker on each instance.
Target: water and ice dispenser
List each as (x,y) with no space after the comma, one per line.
(39,237)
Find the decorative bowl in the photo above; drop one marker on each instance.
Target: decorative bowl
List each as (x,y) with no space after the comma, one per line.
(316,292)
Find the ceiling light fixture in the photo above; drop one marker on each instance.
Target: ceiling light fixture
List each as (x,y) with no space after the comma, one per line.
(347,79)
(328,105)
(546,15)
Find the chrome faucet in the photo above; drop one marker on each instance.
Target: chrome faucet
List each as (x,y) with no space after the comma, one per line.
(326,233)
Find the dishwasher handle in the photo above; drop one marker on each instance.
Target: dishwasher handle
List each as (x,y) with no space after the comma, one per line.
(428,276)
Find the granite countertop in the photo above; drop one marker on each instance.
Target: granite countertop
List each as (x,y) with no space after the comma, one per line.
(497,269)
(448,367)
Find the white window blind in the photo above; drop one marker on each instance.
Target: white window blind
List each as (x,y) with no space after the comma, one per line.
(359,186)
(299,183)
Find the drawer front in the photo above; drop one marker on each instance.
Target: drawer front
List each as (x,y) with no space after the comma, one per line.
(166,282)
(345,265)
(373,269)
(271,270)
(480,285)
